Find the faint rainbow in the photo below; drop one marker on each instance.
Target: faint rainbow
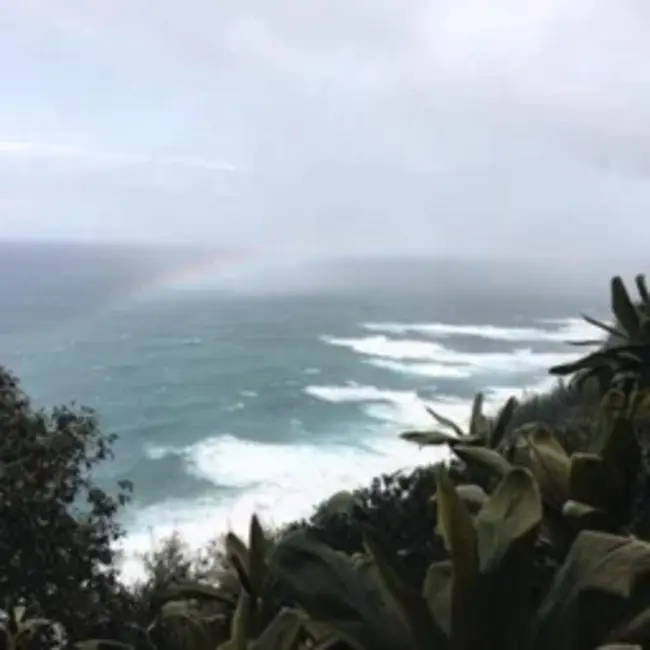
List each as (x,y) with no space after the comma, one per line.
(217,266)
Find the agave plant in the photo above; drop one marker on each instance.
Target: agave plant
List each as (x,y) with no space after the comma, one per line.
(483,430)
(626,354)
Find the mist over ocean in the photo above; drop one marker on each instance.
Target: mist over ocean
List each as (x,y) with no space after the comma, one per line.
(267,395)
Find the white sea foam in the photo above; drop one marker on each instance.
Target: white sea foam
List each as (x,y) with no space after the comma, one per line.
(520,360)
(564,330)
(283,482)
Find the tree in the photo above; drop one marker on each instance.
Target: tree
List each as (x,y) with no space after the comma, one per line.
(57,527)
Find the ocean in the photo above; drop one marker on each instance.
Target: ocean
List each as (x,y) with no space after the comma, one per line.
(229,401)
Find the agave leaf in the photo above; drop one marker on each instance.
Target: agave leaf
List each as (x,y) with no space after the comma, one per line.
(551,467)
(457,529)
(437,591)
(472,495)
(502,421)
(513,512)
(642,289)
(601,578)
(589,361)
(424,629)
(623,307)
(425,438)
(328,586)
(620,646)
(258,549)
(283,633)
(484,458)
(477,420)
(613,331)
(445,422)
(240,627)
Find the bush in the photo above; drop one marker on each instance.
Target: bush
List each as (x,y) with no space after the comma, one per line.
(57,527)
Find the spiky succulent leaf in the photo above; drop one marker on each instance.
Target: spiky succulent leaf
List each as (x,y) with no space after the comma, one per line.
(500,426)
(623,307)
(430,438)
(642,288)
(446,422)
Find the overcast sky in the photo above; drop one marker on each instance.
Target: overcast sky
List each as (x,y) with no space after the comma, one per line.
(347,125)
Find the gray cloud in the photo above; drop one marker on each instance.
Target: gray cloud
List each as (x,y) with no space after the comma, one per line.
(354,125)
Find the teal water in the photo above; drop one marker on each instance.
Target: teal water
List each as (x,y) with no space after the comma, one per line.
(227,403)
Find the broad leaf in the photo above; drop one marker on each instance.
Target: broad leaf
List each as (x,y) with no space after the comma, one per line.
(327,585)
(424,629)
(457,528)
(551,467)
(485,458)
(590,592)
(513,512)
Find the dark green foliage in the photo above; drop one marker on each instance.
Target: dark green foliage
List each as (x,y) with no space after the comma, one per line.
(57,528)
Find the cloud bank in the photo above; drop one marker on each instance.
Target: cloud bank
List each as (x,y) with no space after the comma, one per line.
(356,126)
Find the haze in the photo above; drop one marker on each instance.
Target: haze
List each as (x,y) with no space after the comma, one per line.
(346,126)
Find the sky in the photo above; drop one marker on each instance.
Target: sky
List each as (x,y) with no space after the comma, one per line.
(401,126)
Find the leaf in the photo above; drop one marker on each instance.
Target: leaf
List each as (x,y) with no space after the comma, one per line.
(424,438)
(502,421)
(424,628)
(457,528)
(477,420)
(513,512)
(257,552)
(437,591)
(623,308)
(599,576)
(240,630)
(483,457)
(326,584)
(605,327)
(550,466)
(445,422)
(642,289)
(473,496)
(283,633)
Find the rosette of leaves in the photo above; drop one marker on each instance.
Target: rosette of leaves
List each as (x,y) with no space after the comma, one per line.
(483,431)
(624,360)
(480,596)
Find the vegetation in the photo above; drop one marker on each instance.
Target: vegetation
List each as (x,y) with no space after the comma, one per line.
(535,535)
